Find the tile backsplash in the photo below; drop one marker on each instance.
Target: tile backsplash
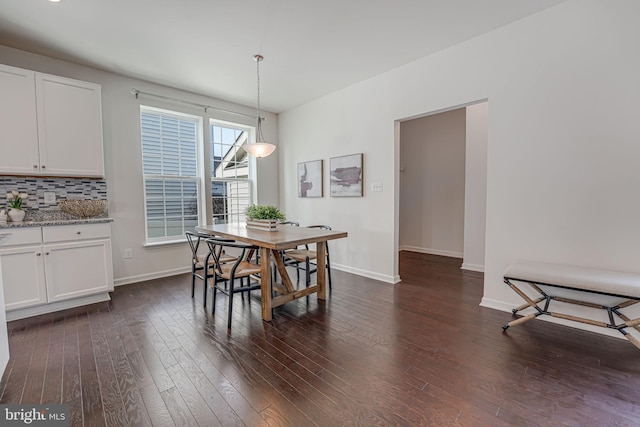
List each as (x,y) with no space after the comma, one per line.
(64,188)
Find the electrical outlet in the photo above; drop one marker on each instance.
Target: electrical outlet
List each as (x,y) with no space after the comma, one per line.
(50,197)
(376,186)
(128,253)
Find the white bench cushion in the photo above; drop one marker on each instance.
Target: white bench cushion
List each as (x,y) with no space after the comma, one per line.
(587,279)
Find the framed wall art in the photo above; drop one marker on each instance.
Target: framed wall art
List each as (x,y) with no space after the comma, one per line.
(310,179)
(346,176)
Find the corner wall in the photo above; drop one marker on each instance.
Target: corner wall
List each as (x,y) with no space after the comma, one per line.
(475,197)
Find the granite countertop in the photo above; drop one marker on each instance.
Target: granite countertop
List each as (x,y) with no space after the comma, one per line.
(48,222)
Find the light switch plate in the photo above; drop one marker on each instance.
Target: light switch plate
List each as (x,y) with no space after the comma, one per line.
(50,197)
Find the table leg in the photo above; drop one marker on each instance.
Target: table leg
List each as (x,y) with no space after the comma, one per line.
(265,285)
(321,269)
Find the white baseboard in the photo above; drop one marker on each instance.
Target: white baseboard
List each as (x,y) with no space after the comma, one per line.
(496,305)
(150,276)
(506,306)
(472,267)
(56,306)
(366,273)
(166,273)
(440,252)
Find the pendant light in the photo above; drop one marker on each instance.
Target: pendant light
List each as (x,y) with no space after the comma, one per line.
(259,148)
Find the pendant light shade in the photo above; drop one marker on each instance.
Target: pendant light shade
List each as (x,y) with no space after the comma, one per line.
(260,148)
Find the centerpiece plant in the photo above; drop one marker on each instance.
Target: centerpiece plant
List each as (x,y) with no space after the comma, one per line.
(263,217)
(258,212)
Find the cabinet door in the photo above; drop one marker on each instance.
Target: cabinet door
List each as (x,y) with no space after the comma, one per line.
(18,126)
(77,269)
(23,277)
(69,127)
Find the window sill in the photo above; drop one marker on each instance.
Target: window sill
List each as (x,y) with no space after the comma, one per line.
(164,243)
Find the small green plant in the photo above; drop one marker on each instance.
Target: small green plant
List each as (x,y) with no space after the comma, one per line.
(16,199)
(254,212)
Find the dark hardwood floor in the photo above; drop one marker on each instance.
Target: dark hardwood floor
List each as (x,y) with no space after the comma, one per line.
(420,353)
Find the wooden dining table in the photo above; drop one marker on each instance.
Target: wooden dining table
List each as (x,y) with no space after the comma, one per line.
(270,244)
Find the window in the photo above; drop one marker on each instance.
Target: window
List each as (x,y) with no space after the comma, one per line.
(174,170)
(170,172)
(230,180)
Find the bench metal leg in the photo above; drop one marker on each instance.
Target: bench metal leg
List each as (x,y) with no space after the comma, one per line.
(535,304)
(520,320)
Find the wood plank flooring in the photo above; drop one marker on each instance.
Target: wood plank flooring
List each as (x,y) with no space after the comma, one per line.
(420,353)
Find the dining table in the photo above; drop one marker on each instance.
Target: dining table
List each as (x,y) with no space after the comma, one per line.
(271,245)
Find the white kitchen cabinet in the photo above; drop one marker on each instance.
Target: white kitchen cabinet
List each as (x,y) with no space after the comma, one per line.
(4,336)
(69,127)
(23,271)
(68,266)
(53,125)
(23,265)
(76,268)
(18,122)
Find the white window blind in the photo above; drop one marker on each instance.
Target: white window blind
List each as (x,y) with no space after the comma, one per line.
(169,162)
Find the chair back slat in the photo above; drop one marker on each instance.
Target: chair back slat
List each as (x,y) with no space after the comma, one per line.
(194,243)
(216,249)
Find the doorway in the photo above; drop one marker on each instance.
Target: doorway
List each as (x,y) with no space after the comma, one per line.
(441,171)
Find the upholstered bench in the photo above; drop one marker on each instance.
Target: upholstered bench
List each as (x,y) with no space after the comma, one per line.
(625,286)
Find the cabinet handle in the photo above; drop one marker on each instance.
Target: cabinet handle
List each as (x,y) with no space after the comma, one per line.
(38,254)
(46,253)
(43,166)
(35,166)
(78,232)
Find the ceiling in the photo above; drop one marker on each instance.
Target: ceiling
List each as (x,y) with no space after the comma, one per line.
(311,48)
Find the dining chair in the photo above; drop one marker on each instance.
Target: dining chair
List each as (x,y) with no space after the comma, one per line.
(306,256)
(290,223)
(228,272)
(198,262)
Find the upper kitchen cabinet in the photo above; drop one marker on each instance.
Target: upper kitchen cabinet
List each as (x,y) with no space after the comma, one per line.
(18,122)
(69,127)
(54,125)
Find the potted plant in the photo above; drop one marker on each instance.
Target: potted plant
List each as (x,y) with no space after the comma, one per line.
(16,199)
(263,217)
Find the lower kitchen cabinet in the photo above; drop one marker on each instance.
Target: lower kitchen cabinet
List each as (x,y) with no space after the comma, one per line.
(23,276)
(52,268)
(77,269)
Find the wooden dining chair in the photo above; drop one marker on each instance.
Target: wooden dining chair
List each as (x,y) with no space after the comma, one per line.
(303,259)
(198,261)
(226,274)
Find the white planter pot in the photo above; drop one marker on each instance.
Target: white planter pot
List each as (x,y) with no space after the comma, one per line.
(16,215)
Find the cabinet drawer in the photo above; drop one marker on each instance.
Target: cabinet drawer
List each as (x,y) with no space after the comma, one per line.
(24,236)
(75,232)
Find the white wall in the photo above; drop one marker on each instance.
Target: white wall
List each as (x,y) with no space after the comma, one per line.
(123,164)
(563,175)
(432,183)
(475,202)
